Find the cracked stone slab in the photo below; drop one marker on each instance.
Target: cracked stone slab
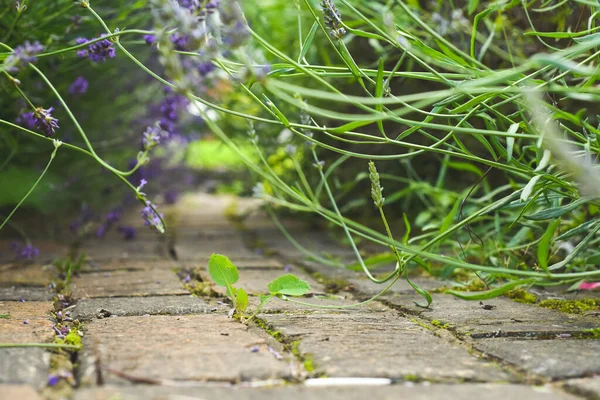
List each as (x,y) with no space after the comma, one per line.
(20,392)
(505,318)
(12,274)
(16,293)
(87,309)
(298,392)
(560,358)
(195,348)
(151,282)
(27,366)
(29,322)
(379,345)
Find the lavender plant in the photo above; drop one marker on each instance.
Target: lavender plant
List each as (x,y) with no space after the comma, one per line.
(476,120)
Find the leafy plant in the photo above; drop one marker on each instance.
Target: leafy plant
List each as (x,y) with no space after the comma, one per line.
(224,273)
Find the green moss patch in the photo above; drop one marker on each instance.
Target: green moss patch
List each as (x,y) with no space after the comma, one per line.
(572,306)
(522,296)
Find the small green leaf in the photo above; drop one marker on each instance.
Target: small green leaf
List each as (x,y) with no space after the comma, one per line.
(241,300)
(407,229)
(542,252)
(510,141)
(222,271)
(595,259)
(472,6)
(422,292)
(528,189)
(490,294)
(308,41)
(556,212)
(289,285)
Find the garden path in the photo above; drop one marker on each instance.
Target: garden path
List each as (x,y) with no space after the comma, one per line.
(146,337)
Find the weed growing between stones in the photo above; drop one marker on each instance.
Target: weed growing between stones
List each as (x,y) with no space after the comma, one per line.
(363,92)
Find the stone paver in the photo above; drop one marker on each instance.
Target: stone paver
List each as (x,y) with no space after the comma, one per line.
(25,274)
(588,387)
(20,392)
(16,293)
(128,265)
(29,322)
(127,283)
(87,309)
(49,250)
(379,345)
(557,359)
(197,348)
(125,250)
(413,392)
(505,318)
(24,366)
(200,250)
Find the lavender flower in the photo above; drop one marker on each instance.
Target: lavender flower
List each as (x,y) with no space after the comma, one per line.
(180,41)
(152,136)
(151,217)
(333,19)
(44,121)
(128,232)
(206,68)
(53,380)
(79,86)
(101,231)
(23,55)
(27,252)
(150,39)
(26,120)
(98,51)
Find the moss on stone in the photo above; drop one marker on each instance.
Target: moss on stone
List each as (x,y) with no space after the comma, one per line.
(571,306)
(521,295)
(439,324)
(593,333)
(73,338)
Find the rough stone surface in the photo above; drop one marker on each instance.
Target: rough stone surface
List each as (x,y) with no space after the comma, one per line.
(86,309)
(200,250)
(588,387)
(24,366)
(410,391)
(552,358)
(29,322)
(25,275)
(16,293)
(127,283)
(198,348)
(18,392)
(49,250)
(126,250)
(506,318)
(379,345)
(128,265)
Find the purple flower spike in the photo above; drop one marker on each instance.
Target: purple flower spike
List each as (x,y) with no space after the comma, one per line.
(44,121)
(150,39)
(151,218)
(98,51)
(152,137)
(26,120)
(53,380)
(23,55)
(27,252)
(79,86)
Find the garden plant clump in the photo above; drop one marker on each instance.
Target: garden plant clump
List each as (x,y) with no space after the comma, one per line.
(478,118)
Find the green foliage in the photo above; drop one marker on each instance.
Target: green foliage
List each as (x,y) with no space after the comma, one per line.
(288,285)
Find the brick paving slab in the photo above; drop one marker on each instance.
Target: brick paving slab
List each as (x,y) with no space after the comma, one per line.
(395,392)
(29,322)
(276,305)
(506,318)
(87,309)
(127,283)
(49,250)
(128,265)
(125,250)
(17,293)
(24,366)
(200,250)
(558,359)
(198,348)
(25,274)
(379,345)
(18,392)
(588,387)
